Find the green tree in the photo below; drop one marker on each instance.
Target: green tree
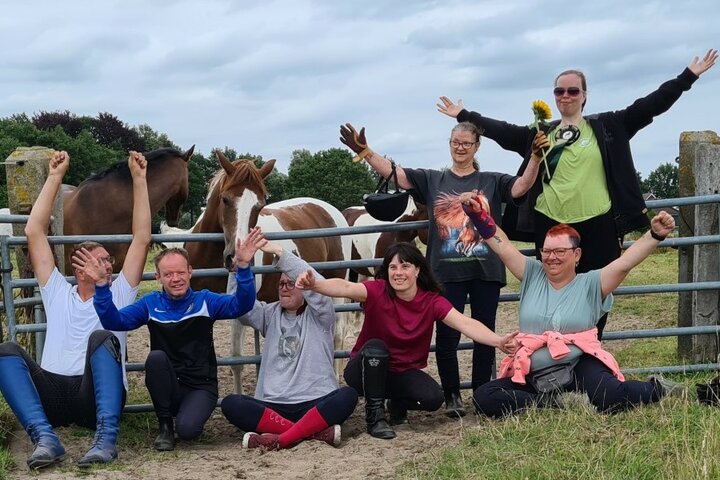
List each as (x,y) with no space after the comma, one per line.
(328,175)
(663,181)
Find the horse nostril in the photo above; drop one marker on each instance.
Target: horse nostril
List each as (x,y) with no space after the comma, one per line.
(228,262)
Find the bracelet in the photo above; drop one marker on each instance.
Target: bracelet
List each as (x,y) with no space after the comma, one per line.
(656,236)
(360,156)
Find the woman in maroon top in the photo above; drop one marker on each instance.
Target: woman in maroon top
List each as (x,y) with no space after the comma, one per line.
(401,307)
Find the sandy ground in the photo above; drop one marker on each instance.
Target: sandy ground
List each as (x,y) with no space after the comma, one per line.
(219,453)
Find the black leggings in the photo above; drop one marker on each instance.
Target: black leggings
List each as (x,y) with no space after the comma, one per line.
(191,406)
(245,412)
(483,307)
(66,399)
(412,389)
(608,394)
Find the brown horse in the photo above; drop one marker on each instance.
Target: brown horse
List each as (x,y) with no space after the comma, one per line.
(235,204)
(102,204)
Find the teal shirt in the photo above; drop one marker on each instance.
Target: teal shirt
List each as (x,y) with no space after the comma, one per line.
(574,308)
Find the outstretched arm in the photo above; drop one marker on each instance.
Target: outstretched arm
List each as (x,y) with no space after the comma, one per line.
(357,143)
(477,209)
(137,253)
(333,287)
(612,275)
(36,229)
(480,333)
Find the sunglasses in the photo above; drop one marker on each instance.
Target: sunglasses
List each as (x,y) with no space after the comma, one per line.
(572,91)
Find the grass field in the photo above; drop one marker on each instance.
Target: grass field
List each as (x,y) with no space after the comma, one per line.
(675,439)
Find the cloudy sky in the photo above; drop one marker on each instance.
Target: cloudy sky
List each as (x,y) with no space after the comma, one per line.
(269,77)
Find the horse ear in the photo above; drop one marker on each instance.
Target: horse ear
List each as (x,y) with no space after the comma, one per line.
(267,168)
(225,163)
(189,153)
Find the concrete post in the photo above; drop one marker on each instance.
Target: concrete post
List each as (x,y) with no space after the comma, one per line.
(699,174)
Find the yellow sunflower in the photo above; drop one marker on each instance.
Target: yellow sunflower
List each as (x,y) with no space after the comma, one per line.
(541,112)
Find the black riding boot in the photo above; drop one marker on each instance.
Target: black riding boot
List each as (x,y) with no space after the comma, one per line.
(375,364)
(165,441)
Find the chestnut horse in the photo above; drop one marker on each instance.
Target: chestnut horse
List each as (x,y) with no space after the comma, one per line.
(103,204)
(235,204)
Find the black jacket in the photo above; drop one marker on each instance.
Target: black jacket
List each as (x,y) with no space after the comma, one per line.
(613,131)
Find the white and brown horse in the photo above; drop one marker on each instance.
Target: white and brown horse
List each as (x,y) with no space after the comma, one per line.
(235,204)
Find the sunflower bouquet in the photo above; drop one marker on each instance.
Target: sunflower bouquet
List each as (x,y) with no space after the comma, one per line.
(541,113)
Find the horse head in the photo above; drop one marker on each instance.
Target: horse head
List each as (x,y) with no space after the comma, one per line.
(237,195)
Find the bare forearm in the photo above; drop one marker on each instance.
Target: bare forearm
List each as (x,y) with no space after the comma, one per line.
(383,167)
(141,227)
(339,288)
(39,218)
(523,184)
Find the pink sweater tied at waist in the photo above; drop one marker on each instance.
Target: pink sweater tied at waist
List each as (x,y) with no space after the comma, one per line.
(518,365)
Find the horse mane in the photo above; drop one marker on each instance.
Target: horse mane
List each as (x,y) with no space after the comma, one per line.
(448,211)
(120,170)
(245,173)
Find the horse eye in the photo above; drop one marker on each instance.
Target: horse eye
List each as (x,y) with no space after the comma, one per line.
(226,200)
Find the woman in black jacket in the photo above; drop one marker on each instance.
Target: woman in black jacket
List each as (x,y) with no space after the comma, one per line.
(590,181)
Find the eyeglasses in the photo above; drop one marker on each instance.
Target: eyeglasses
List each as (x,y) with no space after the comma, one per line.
(559,252)
(109,259)
(465,145)
(286,285)
(572,91)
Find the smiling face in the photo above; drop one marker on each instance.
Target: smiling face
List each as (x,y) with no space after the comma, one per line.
(403,276)
(567,104)
(463,146)
(173,273)
(559,257)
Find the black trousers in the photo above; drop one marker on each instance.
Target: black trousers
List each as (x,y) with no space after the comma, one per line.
(412,389)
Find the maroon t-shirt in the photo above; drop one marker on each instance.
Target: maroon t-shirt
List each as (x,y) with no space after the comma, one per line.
(405,327)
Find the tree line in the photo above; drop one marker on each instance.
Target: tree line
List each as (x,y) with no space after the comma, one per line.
(94,143)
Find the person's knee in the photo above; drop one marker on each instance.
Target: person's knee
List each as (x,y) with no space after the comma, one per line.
(10,349)
(231,405)
(104,339)
(188,429)
(155,358)
(434,400)
(375,348)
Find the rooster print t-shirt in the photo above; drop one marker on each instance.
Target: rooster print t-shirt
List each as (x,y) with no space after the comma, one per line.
(455,249)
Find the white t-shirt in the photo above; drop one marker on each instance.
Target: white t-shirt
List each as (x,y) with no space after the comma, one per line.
(70,321)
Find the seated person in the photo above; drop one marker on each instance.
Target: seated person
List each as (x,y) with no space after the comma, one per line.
(297,395)
(181,369)
(81,377)
(401,307)
(559,309)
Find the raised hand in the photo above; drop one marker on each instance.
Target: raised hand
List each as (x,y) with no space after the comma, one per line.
(449,108)
(137,164)
(86,263)
(355,141)
(698,67)
(59,164)
(245,249)
(477,208)
(305,281)
(662,224)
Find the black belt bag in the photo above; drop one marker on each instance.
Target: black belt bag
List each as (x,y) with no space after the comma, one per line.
(552,378)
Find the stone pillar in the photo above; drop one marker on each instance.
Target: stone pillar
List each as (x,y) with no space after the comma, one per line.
(699,174)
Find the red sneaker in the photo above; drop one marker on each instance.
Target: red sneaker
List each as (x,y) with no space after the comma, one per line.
(267,441)
(331,435)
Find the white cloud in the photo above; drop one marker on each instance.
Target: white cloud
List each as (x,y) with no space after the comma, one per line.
(269,77)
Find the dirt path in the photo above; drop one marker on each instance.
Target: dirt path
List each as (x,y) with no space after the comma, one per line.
(219,454)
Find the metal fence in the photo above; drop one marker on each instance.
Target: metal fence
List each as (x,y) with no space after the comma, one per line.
(9,284)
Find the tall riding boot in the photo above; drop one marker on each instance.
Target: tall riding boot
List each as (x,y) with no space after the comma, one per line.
(23,398)
(165,440)
(375,364)
(109,389)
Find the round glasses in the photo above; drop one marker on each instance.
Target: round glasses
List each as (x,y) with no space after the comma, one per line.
(286,285)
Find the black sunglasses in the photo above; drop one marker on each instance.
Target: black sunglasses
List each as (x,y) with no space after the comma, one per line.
(572,91)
